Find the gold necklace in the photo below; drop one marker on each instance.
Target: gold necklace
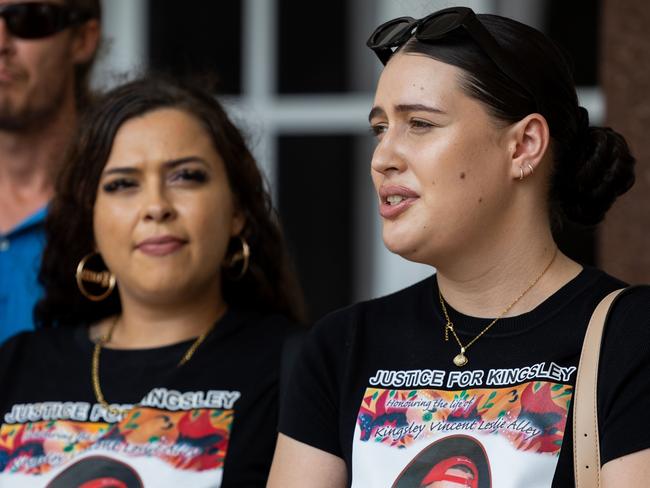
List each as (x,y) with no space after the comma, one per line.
(460,359)
(95,365)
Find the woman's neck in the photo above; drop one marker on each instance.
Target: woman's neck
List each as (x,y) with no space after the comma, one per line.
(141,325)
(485,282)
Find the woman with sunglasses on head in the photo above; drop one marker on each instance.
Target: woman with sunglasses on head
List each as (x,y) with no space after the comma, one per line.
(481,149)
(165,307)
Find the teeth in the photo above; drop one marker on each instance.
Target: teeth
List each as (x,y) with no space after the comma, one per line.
(394,199)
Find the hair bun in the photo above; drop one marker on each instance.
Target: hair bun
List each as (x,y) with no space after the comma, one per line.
(603,169)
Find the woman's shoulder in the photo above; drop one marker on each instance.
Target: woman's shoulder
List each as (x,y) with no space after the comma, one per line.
(260,322)
(632,306)
(12,347)
(36,347)
(40,339)
(277,323)
(401,305)
(627,331)
(258,329)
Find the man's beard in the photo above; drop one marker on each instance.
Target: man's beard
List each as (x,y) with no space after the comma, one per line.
(29,116)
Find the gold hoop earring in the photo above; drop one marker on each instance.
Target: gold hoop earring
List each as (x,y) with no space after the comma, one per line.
(243,255)
(104,279)
(531,168)
(521,173)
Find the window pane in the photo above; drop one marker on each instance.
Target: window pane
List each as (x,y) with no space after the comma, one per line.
(312,56)
(195,36)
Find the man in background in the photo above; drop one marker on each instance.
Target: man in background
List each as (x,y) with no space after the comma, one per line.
(46,52)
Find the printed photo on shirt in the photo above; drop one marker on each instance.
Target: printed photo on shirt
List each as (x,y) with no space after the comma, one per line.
(455,461)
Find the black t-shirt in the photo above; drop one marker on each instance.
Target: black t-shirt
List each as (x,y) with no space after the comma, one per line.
(377,387)
(211,422)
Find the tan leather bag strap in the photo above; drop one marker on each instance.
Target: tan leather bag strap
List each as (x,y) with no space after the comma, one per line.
(586,450)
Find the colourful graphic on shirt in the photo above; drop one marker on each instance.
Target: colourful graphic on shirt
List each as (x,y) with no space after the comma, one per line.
(456,436)
(532,416)
(193,440)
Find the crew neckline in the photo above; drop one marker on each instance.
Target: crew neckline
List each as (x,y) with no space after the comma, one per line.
(468,325)
(224,325)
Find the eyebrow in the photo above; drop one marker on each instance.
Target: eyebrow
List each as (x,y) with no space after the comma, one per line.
(406,107)
(168,165)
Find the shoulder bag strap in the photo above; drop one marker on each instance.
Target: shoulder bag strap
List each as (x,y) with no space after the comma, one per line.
(586,451)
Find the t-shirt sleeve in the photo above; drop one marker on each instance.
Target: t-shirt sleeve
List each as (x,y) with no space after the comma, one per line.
(310,411)
(624,377)
(10,355)
(10,351)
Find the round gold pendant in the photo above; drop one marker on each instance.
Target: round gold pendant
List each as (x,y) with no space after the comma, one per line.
(460,360)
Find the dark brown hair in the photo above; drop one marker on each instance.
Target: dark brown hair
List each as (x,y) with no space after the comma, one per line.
(269,286)
(593,165)
(91,9)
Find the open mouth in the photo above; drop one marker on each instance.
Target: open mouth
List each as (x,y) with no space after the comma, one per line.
(395,200)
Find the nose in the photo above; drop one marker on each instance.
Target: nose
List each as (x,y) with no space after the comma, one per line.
(388,156)
(158,207)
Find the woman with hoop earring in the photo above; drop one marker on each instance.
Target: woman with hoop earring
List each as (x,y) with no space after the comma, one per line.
(165,309)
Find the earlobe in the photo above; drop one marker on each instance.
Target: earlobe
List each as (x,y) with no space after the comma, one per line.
(531,139)
(523,173)
(238,223)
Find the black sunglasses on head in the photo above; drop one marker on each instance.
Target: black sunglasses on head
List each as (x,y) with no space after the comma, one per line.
(35,20)
(390,36)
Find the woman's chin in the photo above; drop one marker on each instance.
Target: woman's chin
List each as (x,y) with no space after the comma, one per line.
(160,292)
(402,247)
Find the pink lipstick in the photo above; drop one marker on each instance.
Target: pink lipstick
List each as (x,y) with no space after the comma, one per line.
(160,245)
(395,200)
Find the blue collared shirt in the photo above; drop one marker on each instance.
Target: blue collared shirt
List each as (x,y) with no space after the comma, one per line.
(20,259)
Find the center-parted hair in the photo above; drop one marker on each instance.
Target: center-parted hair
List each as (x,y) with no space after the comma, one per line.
(593,165)
(269,285)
